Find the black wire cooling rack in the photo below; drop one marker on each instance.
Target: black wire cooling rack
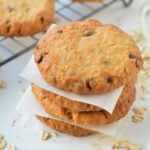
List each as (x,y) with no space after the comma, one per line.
(66,10)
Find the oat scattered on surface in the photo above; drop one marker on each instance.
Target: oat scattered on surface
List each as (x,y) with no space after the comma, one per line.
(2,143)
(44,135)
(139,113)
(125,145)
(144,75)
(2,84)
(139,110)
(137,118)
(19,81)
(10,147)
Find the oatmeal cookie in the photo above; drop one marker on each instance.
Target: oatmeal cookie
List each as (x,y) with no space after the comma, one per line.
(25,17)
(87,57)
(75,106)
(65,127)
(92,117)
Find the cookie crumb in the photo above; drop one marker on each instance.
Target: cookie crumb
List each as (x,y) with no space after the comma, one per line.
(2,84)
(125,144)
(19,81)
(44,135)
(13,122)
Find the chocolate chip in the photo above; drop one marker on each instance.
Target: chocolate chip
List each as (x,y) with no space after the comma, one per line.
(10,9)
(69,114)
(8,29)
(60,31)
(7,22)
(42,20)
(54,80)
(110,80)
(19,31)
(89,84)
(88,33)
(106,62)
(38,58)
(132,56)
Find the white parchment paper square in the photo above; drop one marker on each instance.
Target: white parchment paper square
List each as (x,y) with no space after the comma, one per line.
(107,100)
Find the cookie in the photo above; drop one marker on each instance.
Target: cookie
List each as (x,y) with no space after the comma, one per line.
(87,57)
(65,128)
(93,117)
(22,17)
(75,106)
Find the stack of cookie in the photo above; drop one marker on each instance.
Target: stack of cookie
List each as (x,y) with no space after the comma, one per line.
(86,57)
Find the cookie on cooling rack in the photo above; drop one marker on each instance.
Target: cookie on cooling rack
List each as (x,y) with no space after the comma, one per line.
(91,117)
(87,57)
(22,17)
(65,127)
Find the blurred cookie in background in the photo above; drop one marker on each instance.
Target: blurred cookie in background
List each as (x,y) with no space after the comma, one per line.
(25,17)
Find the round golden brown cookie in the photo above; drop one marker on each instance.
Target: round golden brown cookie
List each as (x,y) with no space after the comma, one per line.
(65,128)
(62,101)
(87,57)
(92,117)
(25,17)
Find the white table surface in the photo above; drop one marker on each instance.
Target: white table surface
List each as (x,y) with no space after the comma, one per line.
(27,139)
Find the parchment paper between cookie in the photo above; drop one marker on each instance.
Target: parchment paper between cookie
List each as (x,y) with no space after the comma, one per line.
(28,106)
(107,100)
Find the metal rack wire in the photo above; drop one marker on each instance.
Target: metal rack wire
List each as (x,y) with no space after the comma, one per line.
(66,10)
